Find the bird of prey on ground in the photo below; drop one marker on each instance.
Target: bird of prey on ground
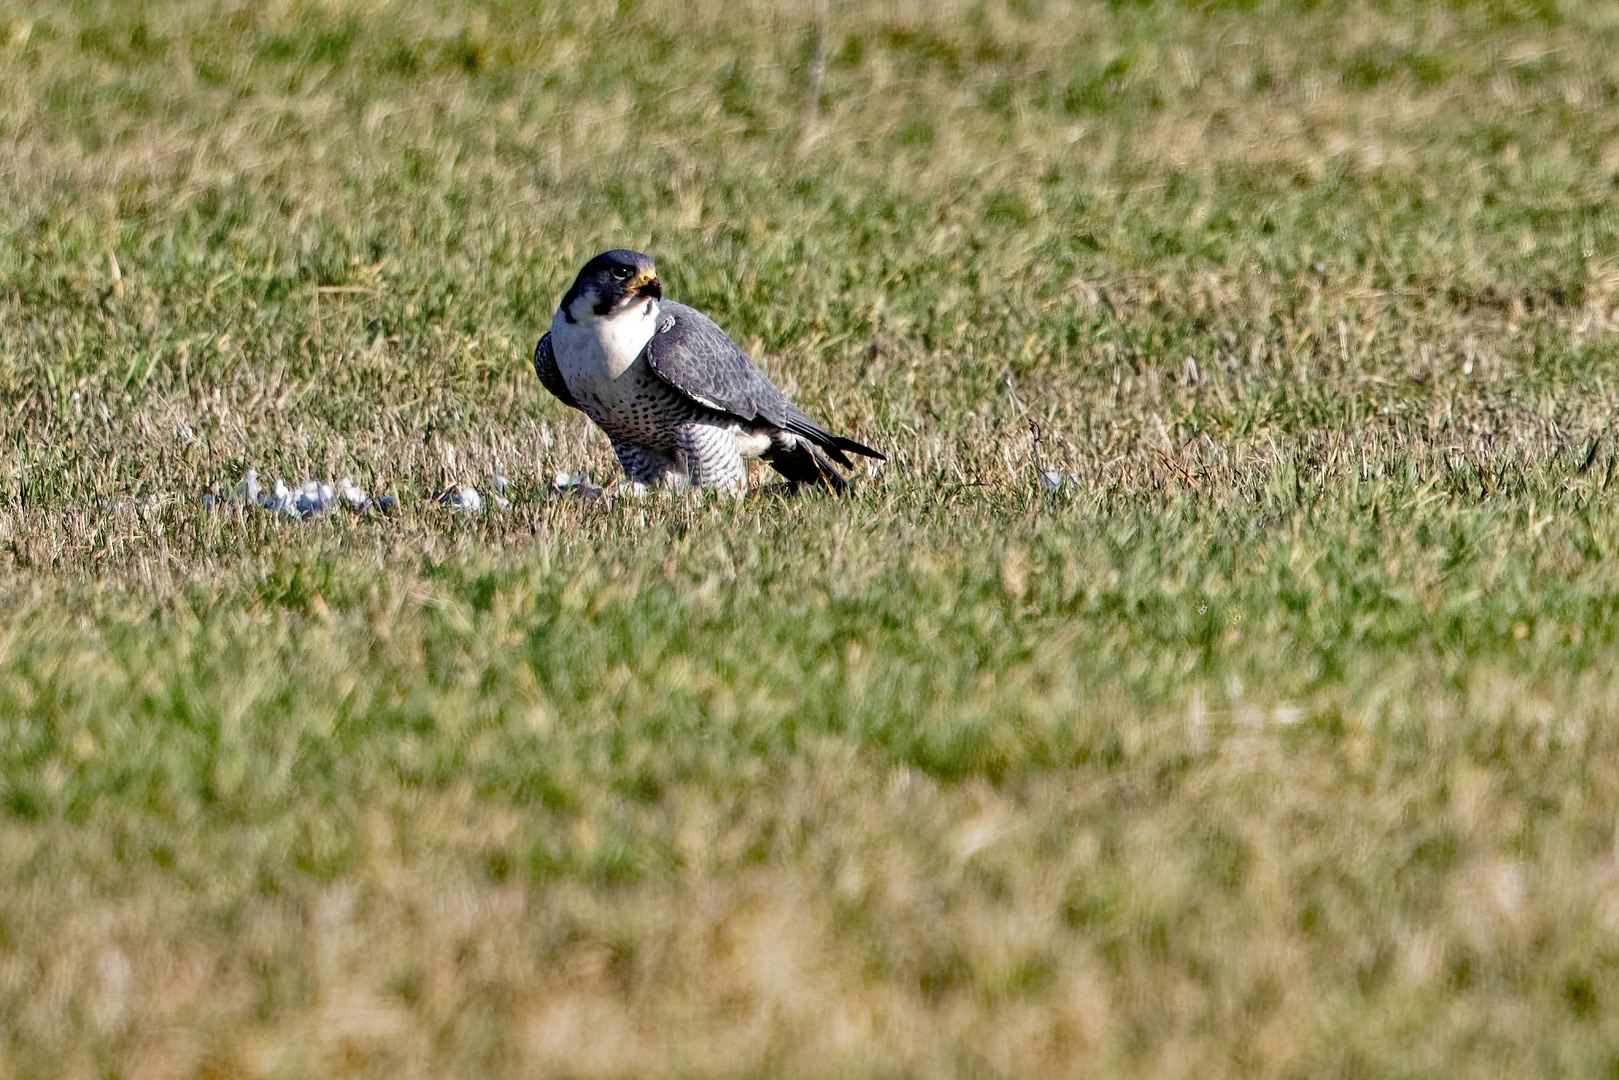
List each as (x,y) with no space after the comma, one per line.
(679,400)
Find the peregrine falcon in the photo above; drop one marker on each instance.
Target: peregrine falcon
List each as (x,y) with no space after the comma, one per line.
(678,399)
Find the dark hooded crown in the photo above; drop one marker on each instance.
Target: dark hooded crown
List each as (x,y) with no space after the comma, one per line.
(612,277)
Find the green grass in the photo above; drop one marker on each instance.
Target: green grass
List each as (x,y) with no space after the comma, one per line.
(1282,741)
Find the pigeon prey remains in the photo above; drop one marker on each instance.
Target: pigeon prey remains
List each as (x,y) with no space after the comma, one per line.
(680,401)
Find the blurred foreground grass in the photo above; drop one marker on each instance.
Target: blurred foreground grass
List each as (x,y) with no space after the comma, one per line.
(1281,741)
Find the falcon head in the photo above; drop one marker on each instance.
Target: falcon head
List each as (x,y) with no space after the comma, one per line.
(611,283)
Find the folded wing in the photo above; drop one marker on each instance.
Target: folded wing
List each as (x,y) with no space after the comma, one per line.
(691,353)
(545,366)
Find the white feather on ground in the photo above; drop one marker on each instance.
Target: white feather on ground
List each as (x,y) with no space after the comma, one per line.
(312,498)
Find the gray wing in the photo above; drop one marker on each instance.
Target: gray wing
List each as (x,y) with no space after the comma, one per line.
(545,366)
(691,353)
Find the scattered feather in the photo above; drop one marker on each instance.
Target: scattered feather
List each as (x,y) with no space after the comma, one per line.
(1056,481)
(309,499)
(575,484)
(464,498)
(351,494)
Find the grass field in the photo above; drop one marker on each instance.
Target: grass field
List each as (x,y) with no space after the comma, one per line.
(1281,741)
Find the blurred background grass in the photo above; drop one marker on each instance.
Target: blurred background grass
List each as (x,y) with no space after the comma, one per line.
(1278,742)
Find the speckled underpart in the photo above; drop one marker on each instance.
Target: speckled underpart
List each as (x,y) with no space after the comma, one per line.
(642,409)
(711,455)
(659,434)
(644,467)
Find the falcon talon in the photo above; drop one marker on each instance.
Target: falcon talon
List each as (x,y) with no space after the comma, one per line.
(677,398)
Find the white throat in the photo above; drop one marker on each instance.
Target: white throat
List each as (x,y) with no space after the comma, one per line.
(593,348)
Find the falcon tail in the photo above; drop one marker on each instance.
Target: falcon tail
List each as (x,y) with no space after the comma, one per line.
(802,424)
(856,448)
(805,463)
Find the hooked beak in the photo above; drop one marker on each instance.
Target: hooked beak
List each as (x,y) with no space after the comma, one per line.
(651,287)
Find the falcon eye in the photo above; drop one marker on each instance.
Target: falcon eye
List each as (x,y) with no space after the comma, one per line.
(621,272)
